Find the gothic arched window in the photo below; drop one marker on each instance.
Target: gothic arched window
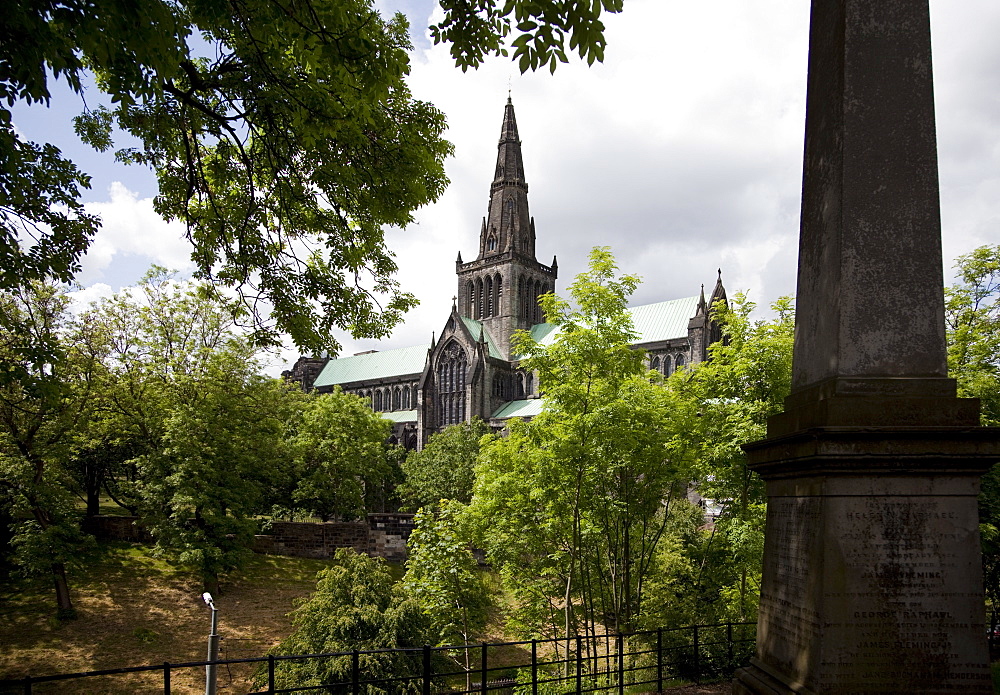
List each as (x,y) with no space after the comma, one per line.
(470,299)
(489,297)
(395,398)
(451,369)
(654,363)
(680,362)
(491,243)
(479,299)
(378,400)
(404,398)
(522,306)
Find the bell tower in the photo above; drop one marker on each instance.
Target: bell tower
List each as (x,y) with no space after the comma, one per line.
(501,287)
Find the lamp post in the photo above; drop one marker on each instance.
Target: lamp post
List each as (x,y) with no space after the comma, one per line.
(213,645)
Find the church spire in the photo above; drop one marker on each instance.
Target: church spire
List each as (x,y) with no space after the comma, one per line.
(508,226)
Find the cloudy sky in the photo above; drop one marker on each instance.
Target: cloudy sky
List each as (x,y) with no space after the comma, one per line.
(682,152)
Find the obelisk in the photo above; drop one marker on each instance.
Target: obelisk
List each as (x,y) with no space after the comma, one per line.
(872,579)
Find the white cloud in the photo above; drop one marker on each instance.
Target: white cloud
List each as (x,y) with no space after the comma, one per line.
(132,237)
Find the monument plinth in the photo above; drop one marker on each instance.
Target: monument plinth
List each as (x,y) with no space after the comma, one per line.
(872,578)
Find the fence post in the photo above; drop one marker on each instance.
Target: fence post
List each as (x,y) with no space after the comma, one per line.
(579,666)
(619,647)
(697,656)
(729,643)
(355,688)
(427,669)
(166,678)
(484,670)
(270,673)
(659,659)
(534,667)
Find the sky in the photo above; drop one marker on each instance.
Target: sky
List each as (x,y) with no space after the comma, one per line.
(682,152)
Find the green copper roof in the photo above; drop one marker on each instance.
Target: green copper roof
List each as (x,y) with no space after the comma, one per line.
(526,408)
(653,322)
(663,320)
(374,365)
(475,327)
(400,416)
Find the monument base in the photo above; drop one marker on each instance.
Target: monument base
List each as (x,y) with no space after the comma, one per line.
(872,578)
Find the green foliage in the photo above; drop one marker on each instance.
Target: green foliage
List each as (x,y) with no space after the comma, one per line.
(44,401)
(972,318)
(356,606)
(283,135)
(718,406)
(572,504)
(183,394)
(339,453)
(544,31)
(445,467)
(443,576)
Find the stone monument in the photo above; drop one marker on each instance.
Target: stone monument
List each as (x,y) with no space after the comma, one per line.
(872,579)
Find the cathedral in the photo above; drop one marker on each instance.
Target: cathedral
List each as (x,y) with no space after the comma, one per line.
(470,371)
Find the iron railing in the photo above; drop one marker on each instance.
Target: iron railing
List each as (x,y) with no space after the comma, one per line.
(608,663)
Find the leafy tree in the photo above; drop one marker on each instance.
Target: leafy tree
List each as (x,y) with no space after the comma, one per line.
(972,317)
(576,496)
(719,405)
(41,411)
(183,394)
(445,467)
(282,134)
(356,606)
(443,577)
(340,455)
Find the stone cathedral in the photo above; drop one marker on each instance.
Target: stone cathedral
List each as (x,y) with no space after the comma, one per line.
(469,371)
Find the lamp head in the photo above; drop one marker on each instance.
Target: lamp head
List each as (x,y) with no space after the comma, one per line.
(207,598)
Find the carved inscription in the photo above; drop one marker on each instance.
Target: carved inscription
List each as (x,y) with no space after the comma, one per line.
(884,581)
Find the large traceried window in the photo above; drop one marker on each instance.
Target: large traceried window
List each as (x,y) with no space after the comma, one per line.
(451,370)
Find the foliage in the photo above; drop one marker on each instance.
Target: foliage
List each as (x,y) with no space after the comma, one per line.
(445,467)
(282,134)
(972,319)
(543,29)
(572,504)
(43,403)
(183,394)
(356,606)
(339,455)
(719,405)
(443,576)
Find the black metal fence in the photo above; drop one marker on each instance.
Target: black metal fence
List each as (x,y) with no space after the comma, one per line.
(636,662)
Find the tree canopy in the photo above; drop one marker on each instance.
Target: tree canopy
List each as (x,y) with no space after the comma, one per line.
(282,134)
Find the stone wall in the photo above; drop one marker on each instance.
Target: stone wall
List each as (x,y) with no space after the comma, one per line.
(384,535)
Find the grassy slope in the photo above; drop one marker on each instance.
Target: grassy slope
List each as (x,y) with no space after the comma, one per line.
(135,610)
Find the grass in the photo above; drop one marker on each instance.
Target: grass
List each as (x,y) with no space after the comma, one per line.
(136,609)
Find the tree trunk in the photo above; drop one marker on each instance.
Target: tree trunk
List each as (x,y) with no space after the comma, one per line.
(64,605)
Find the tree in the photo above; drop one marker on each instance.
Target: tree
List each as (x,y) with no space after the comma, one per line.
(182,392)
(43,405)
(577,495)
(719,405)
(445,467)
(356,606)
(339,456)
(972,318)
(282,134)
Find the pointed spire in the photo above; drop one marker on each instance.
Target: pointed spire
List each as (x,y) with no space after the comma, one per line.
(459,259)
(482,334)
(508,227)
(433,342)
(454,306)
(555,263)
